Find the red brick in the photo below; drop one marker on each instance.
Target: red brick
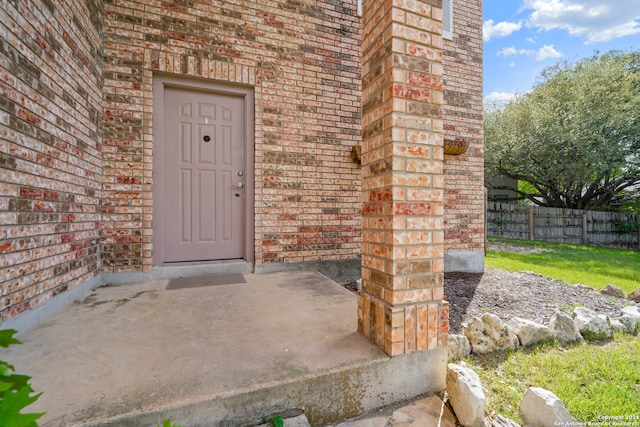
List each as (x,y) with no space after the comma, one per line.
(463,120)
(31,193)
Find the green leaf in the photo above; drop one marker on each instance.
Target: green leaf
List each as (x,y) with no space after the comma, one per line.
(17,381)
(11,406)
(22,420)
(277,421)
(4,386)
(167,423)
(5,368)
(6,337)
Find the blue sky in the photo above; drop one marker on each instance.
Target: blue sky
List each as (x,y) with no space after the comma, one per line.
(522,37)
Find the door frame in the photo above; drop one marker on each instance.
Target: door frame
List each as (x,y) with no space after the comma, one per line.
(162,81)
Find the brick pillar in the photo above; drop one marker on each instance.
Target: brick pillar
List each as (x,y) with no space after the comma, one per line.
(400,306)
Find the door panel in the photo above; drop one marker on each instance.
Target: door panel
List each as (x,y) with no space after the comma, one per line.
(204,161)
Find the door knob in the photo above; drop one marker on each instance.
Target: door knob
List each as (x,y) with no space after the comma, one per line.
(240,185)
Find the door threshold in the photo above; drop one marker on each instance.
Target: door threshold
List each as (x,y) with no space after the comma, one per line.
(201,268)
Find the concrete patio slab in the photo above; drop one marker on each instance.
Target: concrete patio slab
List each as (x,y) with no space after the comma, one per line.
(135,354)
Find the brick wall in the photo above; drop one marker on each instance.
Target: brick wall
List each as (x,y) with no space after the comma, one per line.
(302,58)
(50,166)
(76,145)
(464,174)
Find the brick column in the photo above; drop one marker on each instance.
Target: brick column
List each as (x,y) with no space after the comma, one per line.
(400,307)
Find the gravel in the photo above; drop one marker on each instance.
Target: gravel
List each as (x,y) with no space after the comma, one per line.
(518,294)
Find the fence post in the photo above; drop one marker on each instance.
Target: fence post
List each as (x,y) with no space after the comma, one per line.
(531,224)
(585,238)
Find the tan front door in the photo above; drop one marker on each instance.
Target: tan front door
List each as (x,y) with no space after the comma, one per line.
(205,181)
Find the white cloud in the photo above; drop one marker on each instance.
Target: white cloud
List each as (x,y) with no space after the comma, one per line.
(491,30)
(498,98)
(595,20)
(510,51)
(547,51)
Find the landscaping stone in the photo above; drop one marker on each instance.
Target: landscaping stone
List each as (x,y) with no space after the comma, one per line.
(632,323)
(426,412)
(466,395)
(590,325)
(634,295)
(459,346)
(563,328)
(585,287)
(542,408)
(617,325)
(613,290)
(501,421)
(490,334)
(632,310)
(530,332)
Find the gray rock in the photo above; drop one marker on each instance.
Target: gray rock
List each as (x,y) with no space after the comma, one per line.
(632,323)
(614,291)
(617,325)
(542,408)
(634,295)
(585,287)
(466,395)
(490,334)
(501,421)
(459,346)
(529,332)
(563,328)
(590,325)
(632,310)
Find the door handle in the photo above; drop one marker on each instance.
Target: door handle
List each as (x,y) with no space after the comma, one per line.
(240,185)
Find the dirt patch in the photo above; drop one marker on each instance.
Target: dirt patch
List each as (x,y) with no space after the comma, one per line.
(518,294)
(512,247)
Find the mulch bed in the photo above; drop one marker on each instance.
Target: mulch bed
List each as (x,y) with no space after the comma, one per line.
(510,294)
(518,294)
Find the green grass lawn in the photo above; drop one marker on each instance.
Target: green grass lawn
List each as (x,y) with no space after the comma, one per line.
(592,266)
(592,379)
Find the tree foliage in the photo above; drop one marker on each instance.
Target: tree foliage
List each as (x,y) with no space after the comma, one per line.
(575,137)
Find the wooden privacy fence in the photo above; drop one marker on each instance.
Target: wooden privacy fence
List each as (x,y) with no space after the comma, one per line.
(610,229)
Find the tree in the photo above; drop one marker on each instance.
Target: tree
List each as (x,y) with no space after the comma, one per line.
(575,138)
